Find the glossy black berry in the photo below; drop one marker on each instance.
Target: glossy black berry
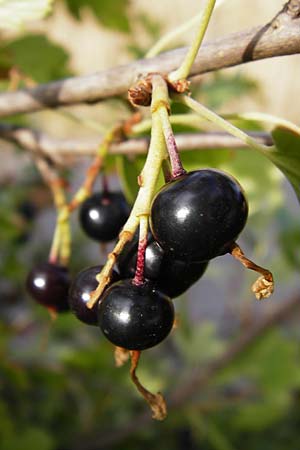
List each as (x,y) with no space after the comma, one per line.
(49,284)
(135,317)
(102,215)
(197,216)
(153,258)
(171,276)
(80,293)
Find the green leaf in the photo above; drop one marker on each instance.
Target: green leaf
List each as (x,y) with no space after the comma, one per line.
(29,439)
(223,88)
(35,56)
(128,171)
(286,155)
(14,13)
(112,14)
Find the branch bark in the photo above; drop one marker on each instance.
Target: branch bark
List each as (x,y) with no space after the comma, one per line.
(41,143)
(281,36)
(200,377)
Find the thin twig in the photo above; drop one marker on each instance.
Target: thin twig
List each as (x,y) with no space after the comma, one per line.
(39,142)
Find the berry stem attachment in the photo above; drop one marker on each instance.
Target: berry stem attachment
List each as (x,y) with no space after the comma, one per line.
(264,285)
(183,71)
(155,401)
(85,190)
(176,164)
(140,263)
(148,179)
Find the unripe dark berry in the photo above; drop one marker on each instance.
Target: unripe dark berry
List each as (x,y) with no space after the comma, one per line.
(199,215)
(135,317)
(48,284)
(80,293)
(102,215)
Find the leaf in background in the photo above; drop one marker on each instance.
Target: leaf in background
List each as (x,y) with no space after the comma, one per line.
(112,14)
(286,155)
(36,57)
(224,88)
(128,172)
(28,439)
(13,13)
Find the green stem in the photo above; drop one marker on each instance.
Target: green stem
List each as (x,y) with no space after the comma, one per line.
(147,179)
(183,71)
(220,122)
(165,41)
(263,117)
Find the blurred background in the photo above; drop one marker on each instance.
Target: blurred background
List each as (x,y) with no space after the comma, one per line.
(59,388)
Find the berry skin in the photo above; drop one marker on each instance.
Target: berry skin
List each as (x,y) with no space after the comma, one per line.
(79,294)
(48,284)
(171,276)
(135,317)
(102,215)
(199,215)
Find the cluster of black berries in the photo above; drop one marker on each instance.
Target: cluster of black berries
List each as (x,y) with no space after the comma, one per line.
(194,218)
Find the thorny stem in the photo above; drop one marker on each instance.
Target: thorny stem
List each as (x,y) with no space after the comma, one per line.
(155,401)
(140,263)
(219,121)
(264,285)
(148,179)
(183,71)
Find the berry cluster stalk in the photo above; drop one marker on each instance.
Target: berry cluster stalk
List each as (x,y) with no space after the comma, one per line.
(183,71)
(147,180)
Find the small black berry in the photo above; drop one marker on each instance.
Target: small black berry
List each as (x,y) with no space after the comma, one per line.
(102,215)
(48,284)
(135,317)
(171,276)
(79,294)
(199,215)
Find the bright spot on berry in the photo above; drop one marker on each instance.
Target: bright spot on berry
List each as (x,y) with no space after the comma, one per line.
(124,316)
(94,214)
(85,296)
(39,282)
(182,213)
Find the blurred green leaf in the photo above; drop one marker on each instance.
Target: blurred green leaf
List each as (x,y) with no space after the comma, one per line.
(286,155)
(223,88)
(28,439)
(36,57)
(128,172)
(112,14)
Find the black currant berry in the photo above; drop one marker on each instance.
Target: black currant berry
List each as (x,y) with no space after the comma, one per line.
(153,258)
(171,276)
(197,216)
(79,294)
(49,284)
(135,317)
(102,215)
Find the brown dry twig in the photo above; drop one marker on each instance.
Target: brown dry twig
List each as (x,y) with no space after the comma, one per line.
(280,36)
(64,149)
